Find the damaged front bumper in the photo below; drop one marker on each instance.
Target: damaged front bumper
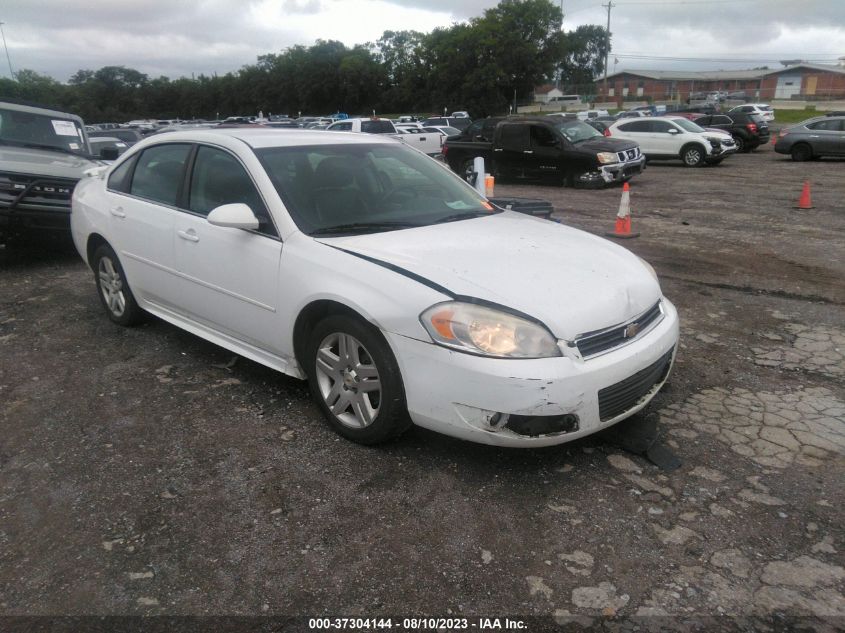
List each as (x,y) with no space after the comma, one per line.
(536,402)
(614,172)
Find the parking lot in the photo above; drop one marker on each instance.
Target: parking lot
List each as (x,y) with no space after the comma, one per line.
(146,471)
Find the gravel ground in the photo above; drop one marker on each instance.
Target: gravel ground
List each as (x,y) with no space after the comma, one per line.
(146,472)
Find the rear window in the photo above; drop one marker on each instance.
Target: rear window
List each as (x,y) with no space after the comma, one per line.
(766,108)
(757,118)
(379,126)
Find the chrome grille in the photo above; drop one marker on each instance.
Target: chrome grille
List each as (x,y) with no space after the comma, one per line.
(593,343)
(628,154)
(22,192)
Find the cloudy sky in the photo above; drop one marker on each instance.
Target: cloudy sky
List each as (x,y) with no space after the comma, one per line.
(180,37)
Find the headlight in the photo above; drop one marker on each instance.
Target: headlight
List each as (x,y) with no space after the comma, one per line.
(488,332)
(607,157)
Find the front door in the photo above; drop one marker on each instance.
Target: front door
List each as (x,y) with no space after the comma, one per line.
(230,276)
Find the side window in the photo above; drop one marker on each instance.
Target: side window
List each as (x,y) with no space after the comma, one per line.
(542,137)
(636,126)
(218,178)
(828,125)
(474,130)
(723,120)
(706,120)
(660,127)
(119,178)
(159,172)
(488,129)
(514,137)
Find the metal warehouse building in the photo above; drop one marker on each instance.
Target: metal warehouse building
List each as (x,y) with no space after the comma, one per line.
(798,81)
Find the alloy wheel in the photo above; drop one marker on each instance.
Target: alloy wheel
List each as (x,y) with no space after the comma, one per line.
(111,285)
(348,380)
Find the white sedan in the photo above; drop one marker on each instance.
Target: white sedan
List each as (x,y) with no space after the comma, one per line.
(395,289)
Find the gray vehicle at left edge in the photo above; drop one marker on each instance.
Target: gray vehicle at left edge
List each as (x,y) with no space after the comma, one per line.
(43,154)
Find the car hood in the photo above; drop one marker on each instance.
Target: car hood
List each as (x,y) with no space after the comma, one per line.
(25,160)
(605,144)
(572,281)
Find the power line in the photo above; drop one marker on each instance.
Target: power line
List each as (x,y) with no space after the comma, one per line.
(8,59)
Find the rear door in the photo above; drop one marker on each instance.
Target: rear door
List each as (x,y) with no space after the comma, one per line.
(230,277)
(512,148)
(639,131)
(827,137)
(143,197)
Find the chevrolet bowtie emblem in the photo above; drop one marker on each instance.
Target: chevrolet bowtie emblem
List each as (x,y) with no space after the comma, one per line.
(632,330)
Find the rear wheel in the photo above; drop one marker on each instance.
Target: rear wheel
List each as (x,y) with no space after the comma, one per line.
(114,291)
(740,143)
(693,155)
(801,152)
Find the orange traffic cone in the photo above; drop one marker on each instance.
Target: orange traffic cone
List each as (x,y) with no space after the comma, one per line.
(623,217)
(805,202)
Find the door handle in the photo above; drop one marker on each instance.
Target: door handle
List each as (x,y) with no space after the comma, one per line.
(117,212)
(188,235)
(499,149)
(528,151)
(422,138)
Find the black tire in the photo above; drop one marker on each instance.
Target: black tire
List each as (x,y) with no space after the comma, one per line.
(693,155)
(467,168)
(741,145)
(801,152)
(323,356)
(117,298)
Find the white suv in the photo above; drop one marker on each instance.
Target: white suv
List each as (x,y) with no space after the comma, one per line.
(666,138)
(761,109)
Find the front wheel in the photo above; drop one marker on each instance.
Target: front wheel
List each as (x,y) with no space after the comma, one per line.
(355,380)
(693,155)
(113,289)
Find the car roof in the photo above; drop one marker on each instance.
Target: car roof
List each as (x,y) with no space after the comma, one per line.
(268,137)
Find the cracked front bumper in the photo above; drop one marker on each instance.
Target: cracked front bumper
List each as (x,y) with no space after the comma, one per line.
(614,172)
(460,394)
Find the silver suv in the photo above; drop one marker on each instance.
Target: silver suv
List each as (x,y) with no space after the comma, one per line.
(43,154)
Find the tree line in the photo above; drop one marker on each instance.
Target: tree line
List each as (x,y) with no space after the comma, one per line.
(482,65)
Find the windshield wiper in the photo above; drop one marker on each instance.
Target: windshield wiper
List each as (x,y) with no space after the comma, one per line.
(466,215)
(53,148)
(363,227)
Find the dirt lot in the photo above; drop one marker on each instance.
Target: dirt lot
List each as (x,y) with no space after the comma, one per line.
(142,473)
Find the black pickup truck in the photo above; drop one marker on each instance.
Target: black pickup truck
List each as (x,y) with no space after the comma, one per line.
(567,151)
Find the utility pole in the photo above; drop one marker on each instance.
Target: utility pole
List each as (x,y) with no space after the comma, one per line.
(608,6)
(8,59)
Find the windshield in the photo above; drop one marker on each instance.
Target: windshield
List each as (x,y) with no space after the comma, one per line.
(365,188)
(576,131)
(37,130)
(687,125)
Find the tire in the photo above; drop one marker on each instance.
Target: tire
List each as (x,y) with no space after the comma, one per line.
(113,289)
(741,145)
(467,167)
(801,152)
(693,155)
(355,380)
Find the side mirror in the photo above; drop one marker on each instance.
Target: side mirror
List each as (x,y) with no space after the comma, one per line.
(234,216)
(672,130)
(109,153)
